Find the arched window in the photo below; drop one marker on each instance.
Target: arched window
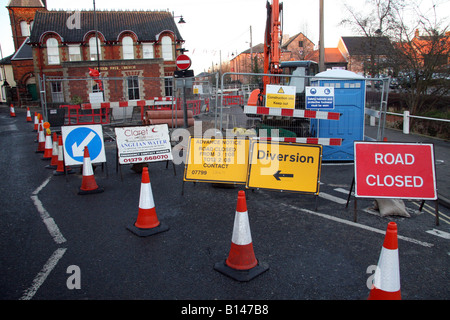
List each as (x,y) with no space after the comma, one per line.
(24,28)
(93,49)
(127,47)
(52,51)
(148,50)
(167,49)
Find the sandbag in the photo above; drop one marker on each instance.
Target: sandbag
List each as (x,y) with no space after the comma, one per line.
(391,207)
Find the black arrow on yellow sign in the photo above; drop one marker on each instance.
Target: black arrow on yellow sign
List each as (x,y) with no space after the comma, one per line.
(279,175)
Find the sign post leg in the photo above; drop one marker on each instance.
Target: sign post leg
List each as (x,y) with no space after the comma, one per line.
(350,191)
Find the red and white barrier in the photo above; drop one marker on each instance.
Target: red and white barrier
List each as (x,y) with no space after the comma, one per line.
(295,113)
(322,141)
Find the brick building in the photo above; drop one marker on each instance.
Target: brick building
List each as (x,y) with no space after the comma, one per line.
(136,52)
(22,15)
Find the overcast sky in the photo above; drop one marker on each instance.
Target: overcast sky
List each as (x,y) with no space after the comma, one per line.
(215,29)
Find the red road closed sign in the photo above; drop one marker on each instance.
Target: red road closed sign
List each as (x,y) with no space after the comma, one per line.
(183,62)
(394,170)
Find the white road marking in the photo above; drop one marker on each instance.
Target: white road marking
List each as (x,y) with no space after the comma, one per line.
(57,237)
(42,275)
(48,221)
(332,198)
(358,225)
(52,227)
(439,233)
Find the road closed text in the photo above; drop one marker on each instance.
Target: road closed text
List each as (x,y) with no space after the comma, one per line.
(390,180)
(394,170)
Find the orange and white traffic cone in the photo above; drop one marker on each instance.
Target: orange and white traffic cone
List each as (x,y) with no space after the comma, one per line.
(36,121)
(54,161)
(28,115)
(386,280)
(41,139)
(48,149)
(40,126)
(147,222)
(12,112)
(88,184)
(60,168)
(241,263)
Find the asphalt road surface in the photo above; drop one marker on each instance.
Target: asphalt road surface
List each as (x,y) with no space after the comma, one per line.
(58,245)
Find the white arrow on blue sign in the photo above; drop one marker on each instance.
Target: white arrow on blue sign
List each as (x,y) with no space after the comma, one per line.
(75,138)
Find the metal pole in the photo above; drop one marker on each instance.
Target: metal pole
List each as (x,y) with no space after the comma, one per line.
(321,39)
(185,113)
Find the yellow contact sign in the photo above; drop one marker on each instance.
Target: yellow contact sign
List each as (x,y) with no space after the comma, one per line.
(292,167)
(217,160)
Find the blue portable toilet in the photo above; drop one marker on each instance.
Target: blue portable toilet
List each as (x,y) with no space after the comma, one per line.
(349,101)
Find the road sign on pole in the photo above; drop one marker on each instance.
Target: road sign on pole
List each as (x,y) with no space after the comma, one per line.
(75,138)
(183,62)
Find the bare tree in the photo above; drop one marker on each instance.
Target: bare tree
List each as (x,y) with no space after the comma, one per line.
(421,46)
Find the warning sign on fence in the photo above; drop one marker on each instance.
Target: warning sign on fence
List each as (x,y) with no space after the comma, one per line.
(394,170)
(217,160)
(280,96)
(143,144)
(293,167)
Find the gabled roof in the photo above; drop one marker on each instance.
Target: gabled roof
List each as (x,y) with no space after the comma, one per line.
(24,53)
(147,25)
(367,45)
(288,41)
(26,3)
(6,60)
(259,48)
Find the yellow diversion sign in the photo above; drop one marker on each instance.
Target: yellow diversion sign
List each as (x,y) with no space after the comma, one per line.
(217,160)
(292,167)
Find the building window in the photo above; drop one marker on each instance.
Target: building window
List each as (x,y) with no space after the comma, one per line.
(93,49)
(57,93)
(133,88)
(52,51)
(148,51)
(168,87)
(24,28)
(167,50)
(74,53)
(128,49)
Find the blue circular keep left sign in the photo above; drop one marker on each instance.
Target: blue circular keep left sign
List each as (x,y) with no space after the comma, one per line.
(76,138)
